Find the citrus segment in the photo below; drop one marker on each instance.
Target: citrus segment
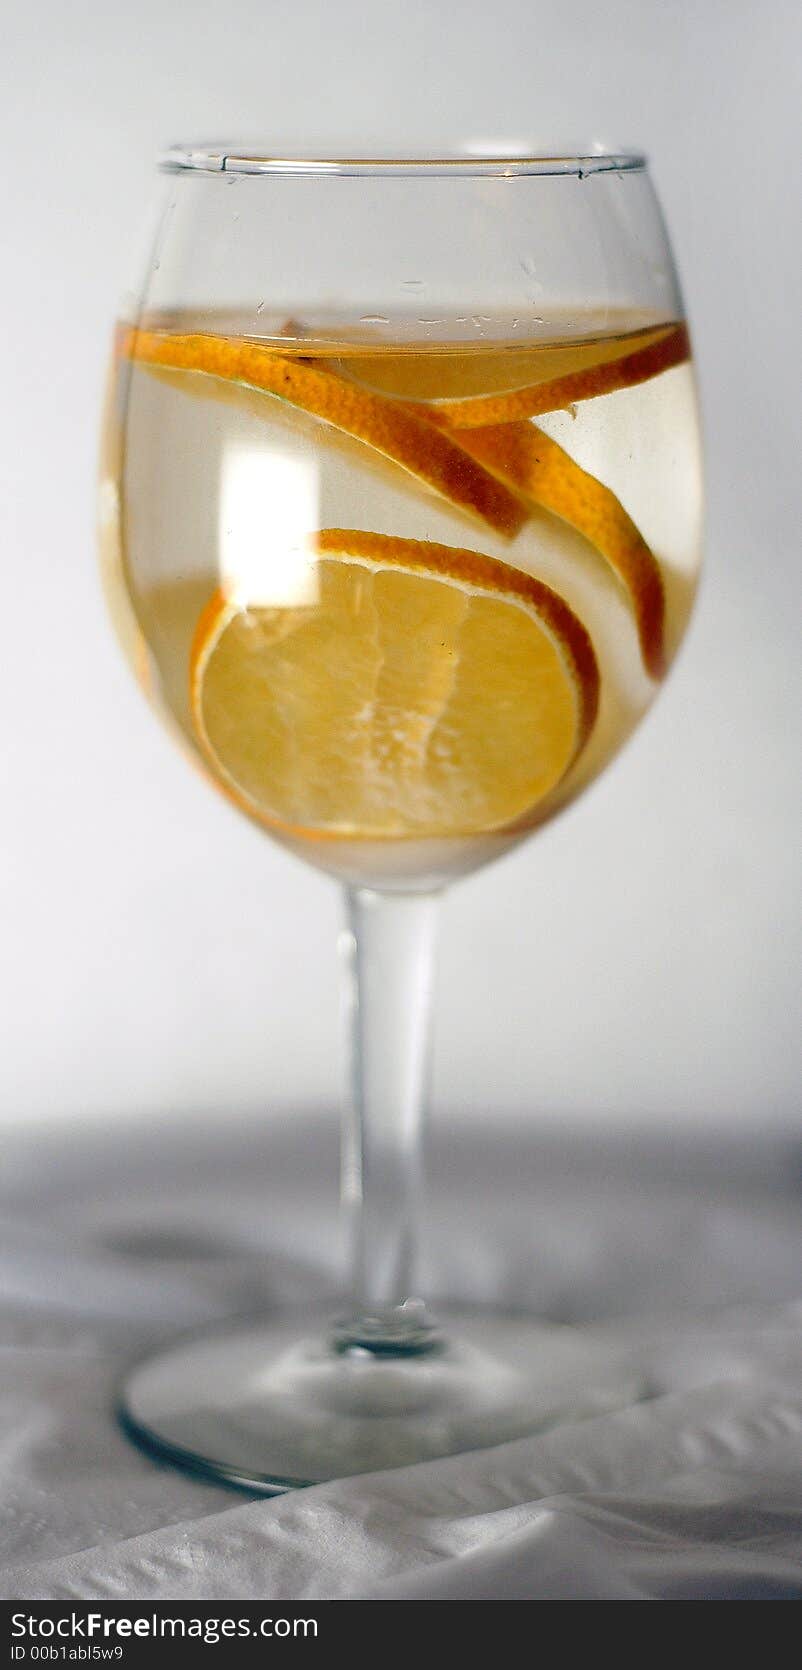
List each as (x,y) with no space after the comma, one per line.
(428,691)
(482,366)
(388,426)
(546,475)
(671,348)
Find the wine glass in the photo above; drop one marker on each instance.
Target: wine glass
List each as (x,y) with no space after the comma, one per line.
(400,527)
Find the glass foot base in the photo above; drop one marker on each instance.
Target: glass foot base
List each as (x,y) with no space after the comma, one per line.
(264,1407)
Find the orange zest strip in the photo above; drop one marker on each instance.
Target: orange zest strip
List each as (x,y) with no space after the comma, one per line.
(670,349)
(473,568)
(390,427)
(539,469)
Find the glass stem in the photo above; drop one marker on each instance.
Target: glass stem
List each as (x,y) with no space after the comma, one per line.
(389,966)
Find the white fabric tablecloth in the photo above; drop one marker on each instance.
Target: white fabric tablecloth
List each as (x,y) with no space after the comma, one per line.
(690,1254)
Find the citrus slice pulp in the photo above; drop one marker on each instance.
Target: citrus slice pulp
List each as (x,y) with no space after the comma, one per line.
(671,347)
(427,691)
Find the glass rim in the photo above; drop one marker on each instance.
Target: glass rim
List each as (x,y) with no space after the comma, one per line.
(243,159)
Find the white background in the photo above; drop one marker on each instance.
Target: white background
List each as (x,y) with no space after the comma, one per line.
(639,961)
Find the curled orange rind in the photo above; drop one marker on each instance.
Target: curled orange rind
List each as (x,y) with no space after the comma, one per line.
(549,479)
(387,426)
(482,454)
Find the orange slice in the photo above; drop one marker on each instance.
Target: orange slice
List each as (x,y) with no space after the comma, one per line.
(670,348)
(427,691)
(539,469)
(441,372)
(388,426)
(495,471)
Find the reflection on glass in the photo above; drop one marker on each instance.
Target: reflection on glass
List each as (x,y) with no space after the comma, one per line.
(268,561)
